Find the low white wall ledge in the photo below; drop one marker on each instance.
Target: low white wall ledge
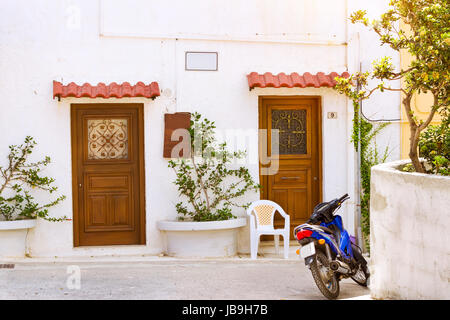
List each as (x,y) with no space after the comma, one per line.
(166,225)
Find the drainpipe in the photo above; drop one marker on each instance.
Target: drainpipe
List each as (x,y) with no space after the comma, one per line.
(353,61)
(358,173)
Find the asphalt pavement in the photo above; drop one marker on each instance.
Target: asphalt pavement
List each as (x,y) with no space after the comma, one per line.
(165,278)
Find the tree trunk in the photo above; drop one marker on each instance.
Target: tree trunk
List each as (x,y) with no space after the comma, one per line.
(413,154)
(414,134)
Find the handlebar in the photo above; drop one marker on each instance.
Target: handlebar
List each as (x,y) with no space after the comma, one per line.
(338,202)
(343,198)
(327,209)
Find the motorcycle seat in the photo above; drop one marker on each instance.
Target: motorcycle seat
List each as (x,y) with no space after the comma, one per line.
(327,230)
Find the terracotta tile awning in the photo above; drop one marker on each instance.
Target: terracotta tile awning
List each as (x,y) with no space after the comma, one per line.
(105,91)
(293,80)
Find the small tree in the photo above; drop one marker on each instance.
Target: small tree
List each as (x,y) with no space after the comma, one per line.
(16,180)
(205,178)
(428,43)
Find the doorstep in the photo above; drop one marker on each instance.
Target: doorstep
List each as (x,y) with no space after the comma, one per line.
(266,249)
(241,258)
(266,253)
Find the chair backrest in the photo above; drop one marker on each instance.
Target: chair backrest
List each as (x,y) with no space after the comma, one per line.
(265,211)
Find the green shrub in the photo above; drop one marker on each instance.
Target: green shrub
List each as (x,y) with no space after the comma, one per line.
(206,180)
(434,147)
(16,180)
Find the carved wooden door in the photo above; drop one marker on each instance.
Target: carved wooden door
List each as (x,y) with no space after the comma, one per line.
(297,184)
(108,174)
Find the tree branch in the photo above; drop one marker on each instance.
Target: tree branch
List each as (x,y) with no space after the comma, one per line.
(430,115)
(205,191)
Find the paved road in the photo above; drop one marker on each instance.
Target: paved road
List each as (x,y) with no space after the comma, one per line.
(172,279)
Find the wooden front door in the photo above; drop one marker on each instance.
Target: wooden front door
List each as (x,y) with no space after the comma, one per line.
(297,184)
(108,174)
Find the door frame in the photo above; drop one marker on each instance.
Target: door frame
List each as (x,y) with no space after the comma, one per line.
(74,107)
(263,179)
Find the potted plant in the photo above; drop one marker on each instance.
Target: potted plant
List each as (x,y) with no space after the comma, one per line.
(409,198)
(210,187)
(19,181)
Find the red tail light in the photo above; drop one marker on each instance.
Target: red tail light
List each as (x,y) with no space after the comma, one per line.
(304,234)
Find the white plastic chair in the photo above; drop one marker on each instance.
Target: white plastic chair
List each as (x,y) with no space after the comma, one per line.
(261,222)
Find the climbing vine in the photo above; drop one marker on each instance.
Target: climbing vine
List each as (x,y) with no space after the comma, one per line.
(370,156)
(363,137)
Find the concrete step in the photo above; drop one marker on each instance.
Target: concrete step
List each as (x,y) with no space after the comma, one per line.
(268,248)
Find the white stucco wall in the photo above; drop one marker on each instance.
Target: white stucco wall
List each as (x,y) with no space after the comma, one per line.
(105,41)
(409,234)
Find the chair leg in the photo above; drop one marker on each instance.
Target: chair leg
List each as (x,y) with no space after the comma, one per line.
(276,238)
(286,245)
(254,241)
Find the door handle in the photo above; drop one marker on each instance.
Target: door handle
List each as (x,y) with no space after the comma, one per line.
(290,178)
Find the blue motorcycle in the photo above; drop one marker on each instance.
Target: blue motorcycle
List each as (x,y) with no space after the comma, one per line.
(328,250)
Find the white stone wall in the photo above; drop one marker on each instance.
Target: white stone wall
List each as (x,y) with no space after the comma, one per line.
(409,235)
(105,41)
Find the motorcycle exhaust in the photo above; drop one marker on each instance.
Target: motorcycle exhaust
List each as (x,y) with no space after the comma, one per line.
(337,266)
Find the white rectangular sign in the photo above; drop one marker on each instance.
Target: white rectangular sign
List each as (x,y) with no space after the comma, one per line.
(202,61)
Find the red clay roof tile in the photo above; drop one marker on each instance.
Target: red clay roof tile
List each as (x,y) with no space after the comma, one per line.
(105,91)
(293,80)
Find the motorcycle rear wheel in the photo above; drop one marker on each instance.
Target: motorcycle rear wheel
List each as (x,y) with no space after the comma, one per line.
(362,276)
(324,277)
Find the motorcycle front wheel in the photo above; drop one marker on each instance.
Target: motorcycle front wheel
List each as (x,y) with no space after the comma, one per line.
(324,277)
